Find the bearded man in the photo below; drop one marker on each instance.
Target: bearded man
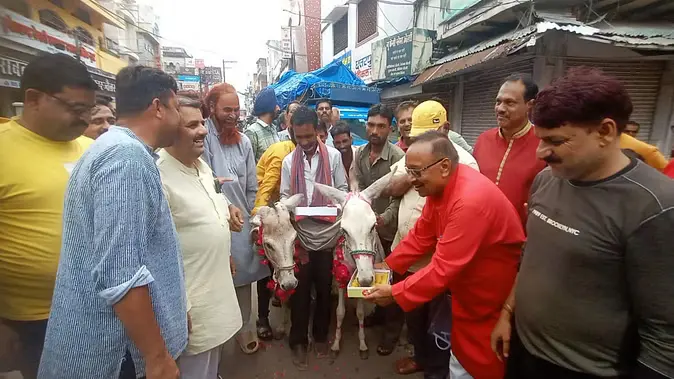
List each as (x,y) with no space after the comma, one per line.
(230,155)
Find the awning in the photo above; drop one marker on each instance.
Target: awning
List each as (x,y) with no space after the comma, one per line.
(107,14)
(636,36)
(446,69)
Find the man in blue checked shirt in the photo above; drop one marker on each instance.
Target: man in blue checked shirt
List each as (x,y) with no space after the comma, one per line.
(120,287)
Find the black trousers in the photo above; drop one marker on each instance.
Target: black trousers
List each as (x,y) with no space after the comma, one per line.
(432,358)
(31,336)
(264,296)
(394,317)
(523,365)
(318,273)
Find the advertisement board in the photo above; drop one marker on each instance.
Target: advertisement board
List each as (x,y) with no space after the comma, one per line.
(402,54)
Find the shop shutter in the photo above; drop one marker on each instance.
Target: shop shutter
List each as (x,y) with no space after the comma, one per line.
(642,80)
(479,96)
(445,98)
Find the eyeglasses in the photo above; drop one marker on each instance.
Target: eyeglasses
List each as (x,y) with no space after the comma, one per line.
(417,172)
(79,110)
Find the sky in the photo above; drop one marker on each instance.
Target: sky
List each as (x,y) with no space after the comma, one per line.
(234,30)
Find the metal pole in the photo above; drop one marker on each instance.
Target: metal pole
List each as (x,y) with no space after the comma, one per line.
(223,71)
(201,89)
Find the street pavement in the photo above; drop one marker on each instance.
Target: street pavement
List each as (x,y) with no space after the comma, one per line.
(274,361)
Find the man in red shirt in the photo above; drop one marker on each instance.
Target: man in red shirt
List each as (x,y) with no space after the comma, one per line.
(477,237)
(507,154)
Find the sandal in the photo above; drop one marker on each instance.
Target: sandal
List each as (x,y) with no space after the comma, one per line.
(247,342)
(386,347)
(264,331)
(406,366)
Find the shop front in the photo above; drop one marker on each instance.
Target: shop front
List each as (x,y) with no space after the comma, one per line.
(11,70)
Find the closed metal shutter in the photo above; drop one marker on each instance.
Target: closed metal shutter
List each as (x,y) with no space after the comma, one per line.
(479,96)
(444,97)
(642,80)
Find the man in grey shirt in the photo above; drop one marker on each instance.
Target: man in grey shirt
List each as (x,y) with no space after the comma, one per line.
(595,292)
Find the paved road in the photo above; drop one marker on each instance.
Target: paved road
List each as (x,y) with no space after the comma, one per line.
(274,360)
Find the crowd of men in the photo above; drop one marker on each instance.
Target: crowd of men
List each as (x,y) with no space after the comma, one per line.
(126,230)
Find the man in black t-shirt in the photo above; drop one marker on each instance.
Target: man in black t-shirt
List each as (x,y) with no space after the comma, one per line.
(594,297)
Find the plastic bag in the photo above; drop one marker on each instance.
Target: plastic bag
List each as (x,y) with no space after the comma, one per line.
(440,323)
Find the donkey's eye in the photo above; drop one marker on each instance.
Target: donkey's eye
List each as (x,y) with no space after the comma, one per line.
(267,246)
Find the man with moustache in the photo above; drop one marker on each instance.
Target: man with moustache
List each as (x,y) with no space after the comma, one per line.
(262,133)
(325,116)
(404,118)
(593,297)
(38,151)
(203,219)
(230,155)
(102,118)
(341,137)
(120,287)
(476,236)
(507,154)
(371,162)
(269,182)
(312,162)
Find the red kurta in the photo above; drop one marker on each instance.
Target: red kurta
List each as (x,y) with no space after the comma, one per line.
(511,164)
(477,238)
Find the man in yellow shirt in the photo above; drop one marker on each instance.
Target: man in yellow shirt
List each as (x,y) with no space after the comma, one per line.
(38,151)
(649,153)
(268,173)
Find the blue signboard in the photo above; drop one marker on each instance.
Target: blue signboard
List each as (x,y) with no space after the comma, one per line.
(188,78)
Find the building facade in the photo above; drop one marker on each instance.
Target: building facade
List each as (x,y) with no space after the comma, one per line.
(489,40)
(30,27)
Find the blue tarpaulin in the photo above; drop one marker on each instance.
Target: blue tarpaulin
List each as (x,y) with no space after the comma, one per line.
(293,85)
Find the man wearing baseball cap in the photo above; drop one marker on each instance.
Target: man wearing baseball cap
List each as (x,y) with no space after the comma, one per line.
(429,356)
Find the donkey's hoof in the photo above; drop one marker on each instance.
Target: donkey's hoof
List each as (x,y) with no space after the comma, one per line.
(279,334)
(334,354)
(364,354)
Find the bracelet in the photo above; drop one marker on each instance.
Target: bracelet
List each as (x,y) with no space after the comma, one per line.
(508,308)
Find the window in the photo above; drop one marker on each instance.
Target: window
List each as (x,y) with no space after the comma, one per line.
(83,36)
(367,19)
(82,15)
(18,6)
(340,34)
(51,19)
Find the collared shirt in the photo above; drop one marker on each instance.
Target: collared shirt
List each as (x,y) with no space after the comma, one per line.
(402,145)
(284,135)
(310,170)
(411,204)
(367,173)
(511,164)
(261,136)
(650,154)
(478,239)
(315,235)
(33,177)
(117,234)
(269,174)
(201,217)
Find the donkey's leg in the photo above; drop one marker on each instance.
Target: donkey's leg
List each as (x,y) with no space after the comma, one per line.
(283,327)
(360,312)
(340,317)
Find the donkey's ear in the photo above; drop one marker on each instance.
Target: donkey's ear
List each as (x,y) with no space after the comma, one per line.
(338,197)
(293,201)
(372,192)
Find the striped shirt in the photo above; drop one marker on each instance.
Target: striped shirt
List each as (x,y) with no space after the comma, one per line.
(117,234)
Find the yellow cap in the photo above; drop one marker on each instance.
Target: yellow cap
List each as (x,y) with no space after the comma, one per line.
(429,115)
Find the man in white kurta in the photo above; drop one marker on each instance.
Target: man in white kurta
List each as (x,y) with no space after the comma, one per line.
(202,220)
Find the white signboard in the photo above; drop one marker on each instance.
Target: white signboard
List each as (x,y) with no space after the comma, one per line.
(23,31)
(189,85)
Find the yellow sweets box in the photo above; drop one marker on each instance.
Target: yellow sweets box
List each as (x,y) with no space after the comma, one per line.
(354,290)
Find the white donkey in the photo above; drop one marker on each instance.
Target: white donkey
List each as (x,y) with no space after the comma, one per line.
(278,244)
(362,248)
